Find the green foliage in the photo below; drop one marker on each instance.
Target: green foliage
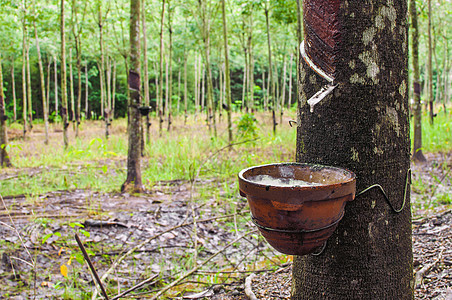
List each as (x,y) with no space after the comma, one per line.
(247,127)
(436,137)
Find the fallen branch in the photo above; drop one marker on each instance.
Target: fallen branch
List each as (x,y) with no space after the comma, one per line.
(135,287)
(90,264)
(97,223)
(176,282)
(248,290)
(425,269)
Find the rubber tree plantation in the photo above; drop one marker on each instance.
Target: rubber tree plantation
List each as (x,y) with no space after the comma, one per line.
(131,133)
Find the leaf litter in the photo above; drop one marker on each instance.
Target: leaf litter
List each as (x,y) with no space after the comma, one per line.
(112,224)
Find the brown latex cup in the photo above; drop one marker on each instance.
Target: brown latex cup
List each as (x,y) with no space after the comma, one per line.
(297,219)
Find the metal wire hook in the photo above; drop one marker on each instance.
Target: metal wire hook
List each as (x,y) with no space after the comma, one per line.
(407,179)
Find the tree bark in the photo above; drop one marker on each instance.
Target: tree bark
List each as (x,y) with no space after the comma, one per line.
(24,72)
(42,77)
(299,37)
(185,89)
(49,65)
(429,62)
(166,89)
(13,86)
(76,32)
(205,13)
(289,102)
(178,89)
(56,85)
(245,81)
(86,91)
(108,98)
(283,91)
(4,157)
(271,84)
(71,89)
(29,93)
(227,73)
(362,126)
(64,113)
(113,93)
(133,181)
(160,100)
(251,63)
(417,143)
(169,69)
(146,72)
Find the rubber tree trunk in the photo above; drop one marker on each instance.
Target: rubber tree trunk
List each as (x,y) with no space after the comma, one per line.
(271,85)
(71,88)
(13,87)
(56,84)
(251,62)
(362,126)
(76,32)
(283,91)
(417,143)
(169,68)
(429,63)
(146,72)
(289,102)
(64,113)
(185,89)
(42,81)
(86,91)
(226,72)
(133,181)
(24,73)
(29,92)
(4,158)
(160,99)
(299,37)
(49,65)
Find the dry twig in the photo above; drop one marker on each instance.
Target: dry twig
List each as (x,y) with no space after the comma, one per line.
(425,269)
(177,281)
(248,289)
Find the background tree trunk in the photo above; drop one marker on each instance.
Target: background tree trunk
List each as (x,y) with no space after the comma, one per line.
(283,91)
(169,69)
(76,32)
(49,65)
(29,93)
(227,74)
(429,62)
(271,84)
(4,158)
(251,62)
(299,37)
(64,113)
(160,99)
(56,85)
(13,86)
(185,89)
(417,147)
(146,72)
(133,181)
(364,127)
(86,91)
(71,88)
(42,77)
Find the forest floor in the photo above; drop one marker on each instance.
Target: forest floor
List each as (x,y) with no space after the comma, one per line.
(207,249)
